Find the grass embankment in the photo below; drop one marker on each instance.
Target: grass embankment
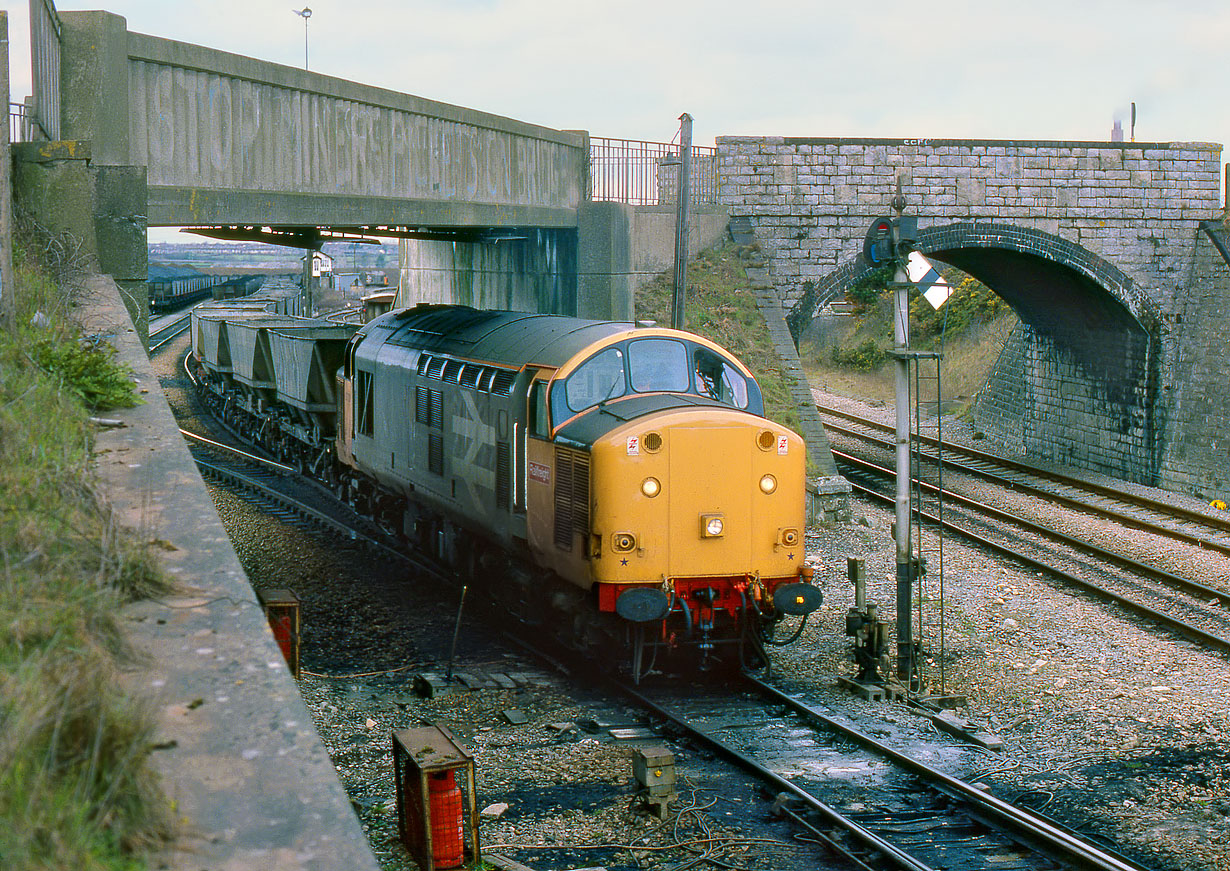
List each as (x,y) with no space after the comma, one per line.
(721,306)
(75,789)
(847,355)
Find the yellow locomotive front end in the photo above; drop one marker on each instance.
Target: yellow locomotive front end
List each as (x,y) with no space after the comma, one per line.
(672,499)
(686,496)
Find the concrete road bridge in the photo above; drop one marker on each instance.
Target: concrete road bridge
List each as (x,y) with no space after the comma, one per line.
(174,134)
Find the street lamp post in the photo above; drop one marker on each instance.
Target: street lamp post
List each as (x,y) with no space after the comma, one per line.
(305,13)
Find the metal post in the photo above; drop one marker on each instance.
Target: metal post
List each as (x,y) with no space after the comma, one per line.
(8,287)
(452,651)
(305,13)
(901,385)
(308,301)
(681,221)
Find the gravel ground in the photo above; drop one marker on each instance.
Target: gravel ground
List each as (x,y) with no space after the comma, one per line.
(1109,724)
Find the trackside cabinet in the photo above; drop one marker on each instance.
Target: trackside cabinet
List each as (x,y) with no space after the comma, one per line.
(436,816)
(282,611)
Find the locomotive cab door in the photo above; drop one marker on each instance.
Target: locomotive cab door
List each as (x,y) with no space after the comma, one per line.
(552,545)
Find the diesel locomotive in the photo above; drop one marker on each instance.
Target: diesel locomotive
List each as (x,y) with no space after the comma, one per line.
(617,484)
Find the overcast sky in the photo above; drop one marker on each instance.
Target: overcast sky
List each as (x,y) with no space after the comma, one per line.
(1046,69)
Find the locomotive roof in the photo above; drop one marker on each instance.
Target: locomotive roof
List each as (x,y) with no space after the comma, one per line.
(501,337)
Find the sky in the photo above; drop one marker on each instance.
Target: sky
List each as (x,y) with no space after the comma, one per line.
(944,69)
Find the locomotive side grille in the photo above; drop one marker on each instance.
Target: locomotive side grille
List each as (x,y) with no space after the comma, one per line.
(435,453)
(437,410)
(503,382)
(571,496)
(422,405)
(503,475)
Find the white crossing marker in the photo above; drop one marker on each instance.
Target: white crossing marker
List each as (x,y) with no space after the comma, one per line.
(932,285)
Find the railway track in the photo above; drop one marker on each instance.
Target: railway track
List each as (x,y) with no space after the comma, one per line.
(167,333)
(1122,506)
(956,825)
(1195,610)
(895,812)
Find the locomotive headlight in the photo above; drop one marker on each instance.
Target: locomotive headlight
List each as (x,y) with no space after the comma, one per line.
(712,526)
(768,484)
(651,487)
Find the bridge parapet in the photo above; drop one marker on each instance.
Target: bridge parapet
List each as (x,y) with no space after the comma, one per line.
(811,200)
(232,139)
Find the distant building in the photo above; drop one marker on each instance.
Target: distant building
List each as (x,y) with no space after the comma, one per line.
(1116,132)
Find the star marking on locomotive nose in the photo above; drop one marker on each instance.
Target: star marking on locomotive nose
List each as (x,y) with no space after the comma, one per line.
(790,556)
(624,561)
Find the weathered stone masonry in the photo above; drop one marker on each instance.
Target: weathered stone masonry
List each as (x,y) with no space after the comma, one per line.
(1092,243)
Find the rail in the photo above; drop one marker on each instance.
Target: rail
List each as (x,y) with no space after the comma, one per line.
(642,173)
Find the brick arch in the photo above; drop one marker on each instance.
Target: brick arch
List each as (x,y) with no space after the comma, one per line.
(973,236)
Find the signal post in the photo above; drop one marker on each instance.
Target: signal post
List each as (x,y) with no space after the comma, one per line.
(890,241)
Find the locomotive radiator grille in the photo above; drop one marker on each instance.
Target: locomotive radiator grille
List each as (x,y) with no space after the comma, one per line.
(429,407)
(571,496)
(435,453)
(503,476)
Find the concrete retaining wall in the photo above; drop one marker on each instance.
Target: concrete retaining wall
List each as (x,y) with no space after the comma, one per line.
(531,272)
(239,754)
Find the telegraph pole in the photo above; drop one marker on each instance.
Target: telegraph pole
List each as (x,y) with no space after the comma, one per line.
(681,220)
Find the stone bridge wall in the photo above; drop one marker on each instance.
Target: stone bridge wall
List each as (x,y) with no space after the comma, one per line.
(812,200)
(1115,367)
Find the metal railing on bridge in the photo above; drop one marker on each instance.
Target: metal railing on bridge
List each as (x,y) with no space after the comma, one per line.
(647,173)
(45,33)
(24,125)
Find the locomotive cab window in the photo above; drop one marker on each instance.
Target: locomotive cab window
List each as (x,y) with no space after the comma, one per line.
(364,403)
(718,379)
(539,423)
(658,365)
(652,365)
(599,378)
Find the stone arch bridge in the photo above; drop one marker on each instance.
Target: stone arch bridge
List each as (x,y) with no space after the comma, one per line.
(1108,252)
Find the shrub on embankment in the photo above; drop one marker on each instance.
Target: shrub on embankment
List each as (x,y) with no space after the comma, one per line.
(75,787)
